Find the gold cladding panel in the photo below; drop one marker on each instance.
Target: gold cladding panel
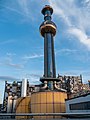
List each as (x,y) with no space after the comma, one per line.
(22,109)
(36,108)
(32,108)
(35,98)
(63,107)
(38,99)
(57,108)
(26,109)
(43,97)
(49,108)
(23,102)
(56,97)
(43,108)
(39,108)
(60,97)
(18,110)
(27,100)
(49,97)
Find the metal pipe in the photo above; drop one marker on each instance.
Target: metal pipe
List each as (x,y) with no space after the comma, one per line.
(55,85)
(45,85)
(24,88)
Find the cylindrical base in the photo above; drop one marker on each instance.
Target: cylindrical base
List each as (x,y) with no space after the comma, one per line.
(48,102)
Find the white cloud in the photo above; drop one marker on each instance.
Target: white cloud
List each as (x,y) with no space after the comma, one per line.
(81,36)
(87,2)
(27,57)
(11,9)
(6,42)
(66,51)
(20,7)
(59,11)
(10,54)
(17,66)
(9,60)
(76,17)
(33,78)
(75,54)
(24,6)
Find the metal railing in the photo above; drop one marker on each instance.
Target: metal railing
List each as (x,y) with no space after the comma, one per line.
(67,115)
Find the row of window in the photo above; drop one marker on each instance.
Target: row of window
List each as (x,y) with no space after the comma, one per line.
(80,106)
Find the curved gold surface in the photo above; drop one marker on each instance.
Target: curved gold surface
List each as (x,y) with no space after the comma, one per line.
(48,102)
(23,106)
(48,28)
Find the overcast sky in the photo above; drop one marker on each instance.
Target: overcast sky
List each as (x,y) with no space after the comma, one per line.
(21,45)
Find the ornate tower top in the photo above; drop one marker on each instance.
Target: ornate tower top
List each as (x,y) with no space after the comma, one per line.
(47,12)
(47,26)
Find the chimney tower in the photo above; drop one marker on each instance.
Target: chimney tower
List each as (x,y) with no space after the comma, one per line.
(48,31)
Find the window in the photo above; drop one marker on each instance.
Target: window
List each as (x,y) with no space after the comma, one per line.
(80,106)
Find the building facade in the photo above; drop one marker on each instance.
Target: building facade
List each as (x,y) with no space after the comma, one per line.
(71,83)
(78,104)
(12,92)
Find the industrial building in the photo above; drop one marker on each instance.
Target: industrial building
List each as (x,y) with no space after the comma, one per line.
(11,93)
(70,83)
(50,95)
(78,104)
(15,90)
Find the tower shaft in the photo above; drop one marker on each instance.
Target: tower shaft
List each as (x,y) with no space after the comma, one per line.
(49,57)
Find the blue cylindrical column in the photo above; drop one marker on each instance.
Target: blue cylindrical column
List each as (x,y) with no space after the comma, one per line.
(49,54)
(49,58)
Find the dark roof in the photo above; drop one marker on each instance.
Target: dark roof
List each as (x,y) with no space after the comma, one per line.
(84,95)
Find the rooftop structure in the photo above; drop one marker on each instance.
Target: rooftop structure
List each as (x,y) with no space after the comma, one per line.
(79,104)
(48,31)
